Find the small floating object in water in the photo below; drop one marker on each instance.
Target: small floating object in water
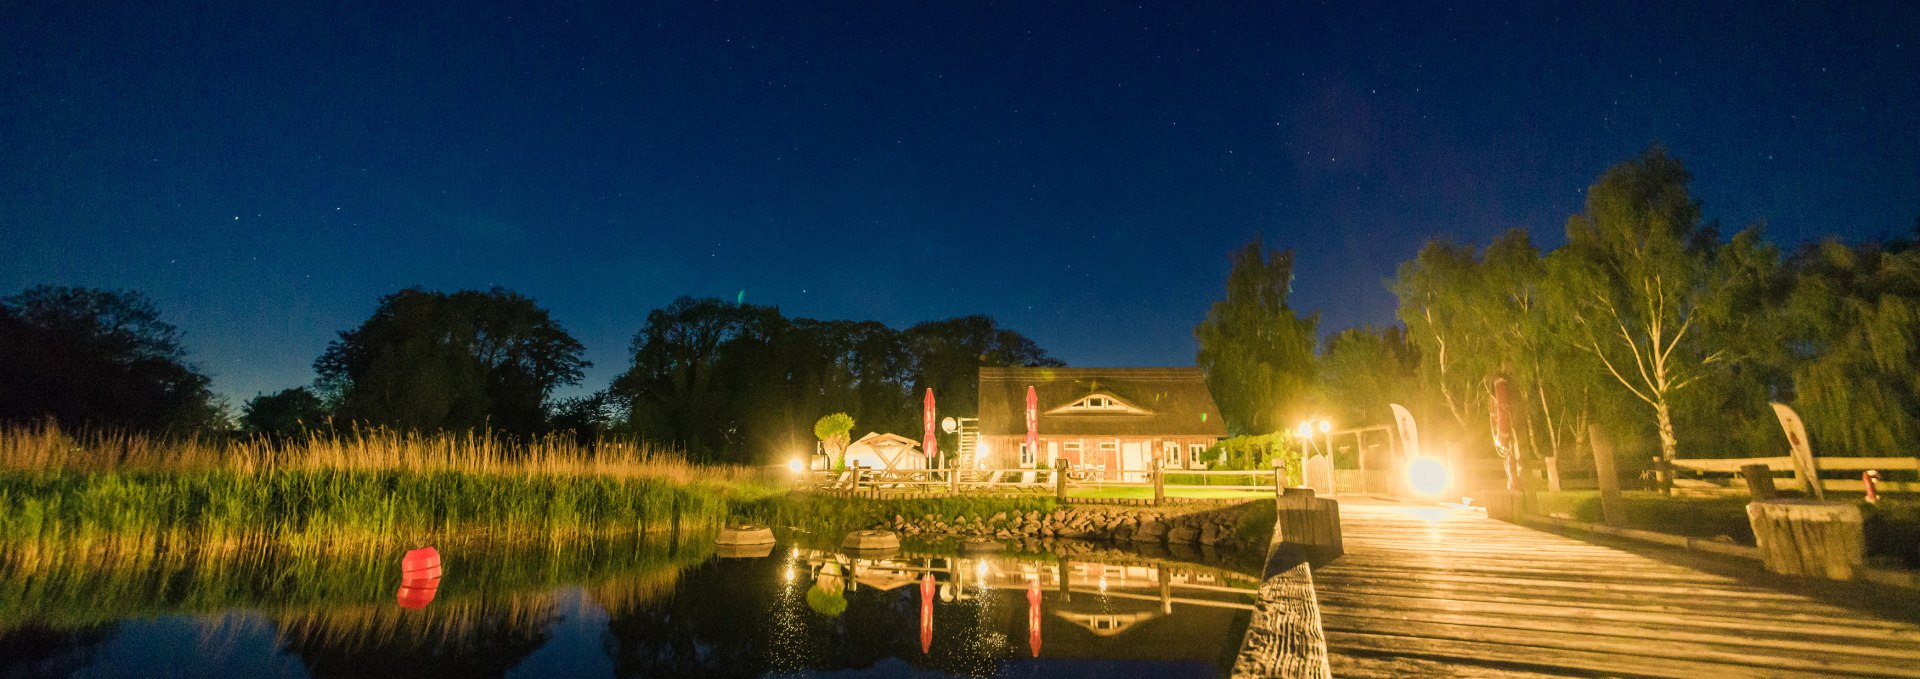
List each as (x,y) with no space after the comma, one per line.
(871,540)
(980,544)
(745,534)
(420,565)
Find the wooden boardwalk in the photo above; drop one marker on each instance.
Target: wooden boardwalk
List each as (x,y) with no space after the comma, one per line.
(1430,591)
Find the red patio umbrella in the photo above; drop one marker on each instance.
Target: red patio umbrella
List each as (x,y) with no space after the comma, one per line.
(1033,423)
(928,444)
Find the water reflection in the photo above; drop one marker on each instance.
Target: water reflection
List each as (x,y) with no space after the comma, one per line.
(631,609)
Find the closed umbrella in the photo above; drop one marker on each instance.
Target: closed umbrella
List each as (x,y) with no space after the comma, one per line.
(929,444)
(1033,423)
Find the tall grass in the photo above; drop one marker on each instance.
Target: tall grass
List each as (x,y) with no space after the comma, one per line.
(350,489)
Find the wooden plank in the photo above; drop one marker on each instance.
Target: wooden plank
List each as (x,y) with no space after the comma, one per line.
(1860,464)
(1550,643)
(1858,486)
(1793,645)
(1455,593)
(1733,465)
(1601,663)
(1406,600)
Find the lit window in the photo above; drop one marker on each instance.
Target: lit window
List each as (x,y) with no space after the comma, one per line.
(1026,456)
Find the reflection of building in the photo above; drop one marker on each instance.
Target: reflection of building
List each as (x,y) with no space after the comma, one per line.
(1114,421)
(977,608)
(885,451)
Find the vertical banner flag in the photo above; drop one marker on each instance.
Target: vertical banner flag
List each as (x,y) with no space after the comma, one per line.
(1409,434)
(928,444)
(1033,425)
(1803,463)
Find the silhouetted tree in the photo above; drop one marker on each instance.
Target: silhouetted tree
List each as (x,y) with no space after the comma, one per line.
(586,417)
(464,360)
(97,358)
(1256,350)
(739,382)
(287,413)
(949,354)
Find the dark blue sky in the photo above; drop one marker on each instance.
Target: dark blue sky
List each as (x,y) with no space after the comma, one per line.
(266,171)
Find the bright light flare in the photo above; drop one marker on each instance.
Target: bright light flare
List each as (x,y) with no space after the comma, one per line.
(1428,476)
(796,466)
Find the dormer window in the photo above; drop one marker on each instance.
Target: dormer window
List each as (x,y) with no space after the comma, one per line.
(1099,404)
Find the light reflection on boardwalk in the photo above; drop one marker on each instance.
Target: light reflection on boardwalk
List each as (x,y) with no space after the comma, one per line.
(1440,592)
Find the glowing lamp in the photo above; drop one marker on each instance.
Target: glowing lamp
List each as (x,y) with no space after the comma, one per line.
(796,466)
(1326,426)
(1428,477)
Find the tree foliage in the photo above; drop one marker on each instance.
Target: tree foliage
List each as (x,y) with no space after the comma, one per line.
(1256,351)
(739,382)
(451,361)
(289,412)
(1642,279)
(88,357)
(1855,319)
(1364,369)
(835,432)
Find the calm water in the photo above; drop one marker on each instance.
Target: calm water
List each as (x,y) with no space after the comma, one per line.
(624,609)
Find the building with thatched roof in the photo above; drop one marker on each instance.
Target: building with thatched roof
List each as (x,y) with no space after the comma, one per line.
(1112,422)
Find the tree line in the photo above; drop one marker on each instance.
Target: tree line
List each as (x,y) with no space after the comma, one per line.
(1648,324)
(723,381)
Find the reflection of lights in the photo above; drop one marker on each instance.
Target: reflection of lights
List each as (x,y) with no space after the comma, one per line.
(789,574)
(1427,476)
(980,568)
(796,466)
(1103,584)
(796,553)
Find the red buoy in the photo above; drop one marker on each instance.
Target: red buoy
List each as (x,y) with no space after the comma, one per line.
(420,565)
(418,596)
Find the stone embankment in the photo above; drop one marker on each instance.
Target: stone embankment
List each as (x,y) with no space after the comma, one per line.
(1214,527)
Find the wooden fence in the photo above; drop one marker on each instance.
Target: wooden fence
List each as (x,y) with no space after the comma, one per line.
(1822,464)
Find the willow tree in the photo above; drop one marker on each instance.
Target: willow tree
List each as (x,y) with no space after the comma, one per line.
(1256,351)
(1855,314)
(1639,277)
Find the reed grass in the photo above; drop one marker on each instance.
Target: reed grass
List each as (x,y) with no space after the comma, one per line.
(347,490)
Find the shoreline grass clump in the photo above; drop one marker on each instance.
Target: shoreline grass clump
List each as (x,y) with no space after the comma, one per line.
(342,490)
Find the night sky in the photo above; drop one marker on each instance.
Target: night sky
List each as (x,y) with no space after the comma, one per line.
(266,171)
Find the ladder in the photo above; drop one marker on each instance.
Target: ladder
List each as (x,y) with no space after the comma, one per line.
(969,433)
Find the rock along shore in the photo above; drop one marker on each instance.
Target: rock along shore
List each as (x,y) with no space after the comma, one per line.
(1212,526)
